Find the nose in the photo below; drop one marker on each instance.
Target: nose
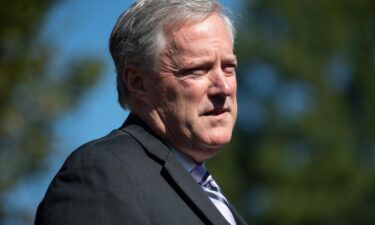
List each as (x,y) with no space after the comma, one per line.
(220,83)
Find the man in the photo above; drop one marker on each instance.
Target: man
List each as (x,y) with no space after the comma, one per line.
(176,73)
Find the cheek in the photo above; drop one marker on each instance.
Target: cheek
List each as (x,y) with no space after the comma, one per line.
(234,96)
(193,91)
(170,95)
(184,98)
(233,84)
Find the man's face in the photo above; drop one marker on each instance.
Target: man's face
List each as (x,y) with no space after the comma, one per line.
(193,95)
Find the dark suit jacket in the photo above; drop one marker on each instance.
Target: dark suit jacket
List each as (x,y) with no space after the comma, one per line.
(127,177)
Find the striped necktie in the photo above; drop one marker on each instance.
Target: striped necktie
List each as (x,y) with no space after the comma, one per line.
(205,180)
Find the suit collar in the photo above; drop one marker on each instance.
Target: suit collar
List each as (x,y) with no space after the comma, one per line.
(187,162)
(146,137)
(178,174)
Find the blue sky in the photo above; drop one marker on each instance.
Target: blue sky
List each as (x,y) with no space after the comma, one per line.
(79,27)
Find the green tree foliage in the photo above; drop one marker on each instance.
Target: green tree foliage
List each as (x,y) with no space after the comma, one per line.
(305,143)
(33,93)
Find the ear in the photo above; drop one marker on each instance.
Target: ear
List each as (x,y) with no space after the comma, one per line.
(134,80)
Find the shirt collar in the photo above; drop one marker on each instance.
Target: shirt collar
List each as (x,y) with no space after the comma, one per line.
(187,162)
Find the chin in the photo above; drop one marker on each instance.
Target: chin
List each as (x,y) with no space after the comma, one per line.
(207,143)
(206,153)
(217,140)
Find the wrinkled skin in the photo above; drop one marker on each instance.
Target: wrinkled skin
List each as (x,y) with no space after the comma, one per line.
(192,101)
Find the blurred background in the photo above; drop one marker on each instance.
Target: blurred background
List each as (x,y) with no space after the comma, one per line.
(303,151)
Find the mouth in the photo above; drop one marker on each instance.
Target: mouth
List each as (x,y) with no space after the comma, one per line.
(216,112)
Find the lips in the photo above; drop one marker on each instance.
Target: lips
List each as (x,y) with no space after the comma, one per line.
(216,112)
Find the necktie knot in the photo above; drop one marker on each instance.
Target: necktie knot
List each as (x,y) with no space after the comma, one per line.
(200,174)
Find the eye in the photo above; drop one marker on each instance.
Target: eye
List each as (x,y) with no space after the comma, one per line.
(229,68)
(195,71)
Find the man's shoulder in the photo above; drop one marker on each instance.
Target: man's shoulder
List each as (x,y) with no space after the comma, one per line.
(117,146)
(115,141)
(97,177)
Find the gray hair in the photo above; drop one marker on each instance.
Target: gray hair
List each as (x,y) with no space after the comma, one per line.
(139,35)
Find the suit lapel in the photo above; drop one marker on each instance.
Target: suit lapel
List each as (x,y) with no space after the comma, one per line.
(192,191)
(184,182)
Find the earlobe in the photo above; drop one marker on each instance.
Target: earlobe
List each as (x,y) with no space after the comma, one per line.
(133,78)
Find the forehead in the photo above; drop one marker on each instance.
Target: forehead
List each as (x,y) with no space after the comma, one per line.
(192,36)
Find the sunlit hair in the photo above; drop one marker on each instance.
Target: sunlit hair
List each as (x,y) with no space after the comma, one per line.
(140,34)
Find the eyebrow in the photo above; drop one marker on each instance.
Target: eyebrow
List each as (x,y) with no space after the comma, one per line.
(191,62)
(230,58)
